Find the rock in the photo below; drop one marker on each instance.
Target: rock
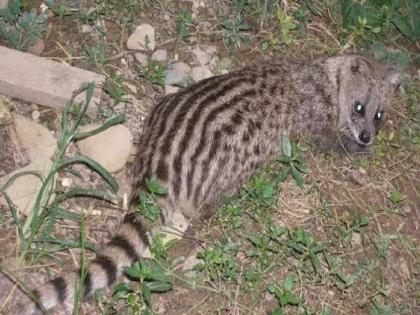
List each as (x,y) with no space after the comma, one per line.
(202,57)
(170,89)
(6,117)
(356,240)
(177,74)
(36,138)
(66,182)
(221,66)
(160,55)
(35,115)
(198,4)
(45,82)
(86,29)
(211,50)
(109,148)
(200,73)
(143,38)
(37,48)
(3,4)
(41,146)
(141,58)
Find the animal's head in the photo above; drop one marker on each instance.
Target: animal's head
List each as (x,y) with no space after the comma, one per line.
(365,88)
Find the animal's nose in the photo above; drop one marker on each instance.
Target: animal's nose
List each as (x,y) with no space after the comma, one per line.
(364,137)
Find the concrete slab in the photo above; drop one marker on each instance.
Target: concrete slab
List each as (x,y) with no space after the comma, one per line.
(3,4)
(42,81)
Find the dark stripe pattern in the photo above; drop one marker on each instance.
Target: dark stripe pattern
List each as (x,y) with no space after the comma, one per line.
(60,287)
(121,242)
(138,226)
(109,266)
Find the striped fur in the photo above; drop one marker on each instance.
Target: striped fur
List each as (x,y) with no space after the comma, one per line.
(207,139)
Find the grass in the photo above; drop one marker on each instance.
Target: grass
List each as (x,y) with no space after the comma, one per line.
(310,234)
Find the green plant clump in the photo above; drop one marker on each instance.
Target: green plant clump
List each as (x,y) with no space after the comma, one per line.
(20,28)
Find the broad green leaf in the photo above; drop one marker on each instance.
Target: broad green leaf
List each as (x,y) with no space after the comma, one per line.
(121,289)
(159,286)
(146,294)
(289,282)
(402,23)
(155,187)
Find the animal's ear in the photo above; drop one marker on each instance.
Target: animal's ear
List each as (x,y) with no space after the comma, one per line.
(394,78)
(360,65)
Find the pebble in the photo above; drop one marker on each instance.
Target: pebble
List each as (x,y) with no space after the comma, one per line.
(35,115)
(177,74)
(6,117)
(66,182)
(37,48)
(110,148)
(170,89)
(202,57)
(141,58)
(356,240)
(160,55)
(200,73)
(143,38)
(86,29)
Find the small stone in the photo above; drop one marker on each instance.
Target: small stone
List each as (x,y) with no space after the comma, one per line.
(200,73)
(202,57)
(131,87)
(160,55)
(35,115)
(177,74)
(66,182)
(211,50)
(110,148)
(141,58)
(269,297)
(198,4)
(170,89)
(143,38)
(6,117)
(37,48)
(356,240)
(86,29)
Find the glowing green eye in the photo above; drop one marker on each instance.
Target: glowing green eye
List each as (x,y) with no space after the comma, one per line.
(359,108)
(379,115)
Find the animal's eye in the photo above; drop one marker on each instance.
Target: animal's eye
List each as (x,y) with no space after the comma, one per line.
(379,115)
(359,108)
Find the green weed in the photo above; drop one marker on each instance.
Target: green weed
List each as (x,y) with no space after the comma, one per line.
(236,27)
(154,72)
(36,231)
(284,294)
(148,205)
(20,28)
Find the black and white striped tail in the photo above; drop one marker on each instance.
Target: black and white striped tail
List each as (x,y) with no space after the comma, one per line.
(127,245)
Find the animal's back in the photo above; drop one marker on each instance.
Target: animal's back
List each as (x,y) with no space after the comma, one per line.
(206,140)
